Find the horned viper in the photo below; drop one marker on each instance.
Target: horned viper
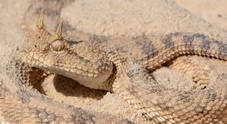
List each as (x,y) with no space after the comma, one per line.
(96,64)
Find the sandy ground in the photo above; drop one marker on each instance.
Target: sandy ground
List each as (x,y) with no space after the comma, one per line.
(112,18)
(212,11)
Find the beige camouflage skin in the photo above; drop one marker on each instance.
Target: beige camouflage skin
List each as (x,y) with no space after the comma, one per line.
(101,63)
(21,103)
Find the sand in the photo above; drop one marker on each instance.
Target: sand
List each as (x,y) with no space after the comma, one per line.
(107,17)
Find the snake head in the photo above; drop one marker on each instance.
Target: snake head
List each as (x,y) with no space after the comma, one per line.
(81,61)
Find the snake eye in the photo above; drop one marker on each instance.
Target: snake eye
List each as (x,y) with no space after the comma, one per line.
(57,45)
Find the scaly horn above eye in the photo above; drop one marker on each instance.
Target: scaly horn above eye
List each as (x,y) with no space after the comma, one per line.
(41,18)
(58,33)
(59,29)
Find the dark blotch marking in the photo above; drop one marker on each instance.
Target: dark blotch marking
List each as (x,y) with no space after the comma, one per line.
(222,50)
(169,44)
(150,50)
(188,39)
(146,46)
(205,46)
